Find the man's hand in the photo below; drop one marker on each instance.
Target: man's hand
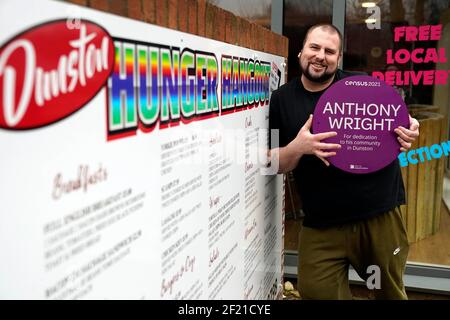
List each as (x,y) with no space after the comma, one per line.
(406,137)
(308,143)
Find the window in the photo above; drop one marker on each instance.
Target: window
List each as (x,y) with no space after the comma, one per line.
(371,46)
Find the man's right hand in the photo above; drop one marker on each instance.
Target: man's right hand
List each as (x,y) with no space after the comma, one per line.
(308,143)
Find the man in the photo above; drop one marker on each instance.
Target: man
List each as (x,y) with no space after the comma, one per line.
(349,218)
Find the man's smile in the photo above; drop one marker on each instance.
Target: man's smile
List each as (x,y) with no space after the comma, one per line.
(317,67)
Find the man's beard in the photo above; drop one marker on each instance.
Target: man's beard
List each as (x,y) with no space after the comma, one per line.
(320,79)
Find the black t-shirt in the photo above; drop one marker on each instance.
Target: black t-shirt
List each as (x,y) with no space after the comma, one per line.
(331,196)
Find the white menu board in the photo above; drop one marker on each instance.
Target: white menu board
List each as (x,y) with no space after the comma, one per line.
(133,161)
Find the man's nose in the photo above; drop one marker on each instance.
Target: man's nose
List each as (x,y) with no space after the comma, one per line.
(320,54)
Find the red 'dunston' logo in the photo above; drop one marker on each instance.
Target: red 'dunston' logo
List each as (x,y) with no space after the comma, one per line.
(50,71)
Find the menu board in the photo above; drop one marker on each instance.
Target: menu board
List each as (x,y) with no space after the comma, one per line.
(133,161)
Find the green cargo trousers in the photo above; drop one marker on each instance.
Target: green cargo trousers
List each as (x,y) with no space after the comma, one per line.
(325,256)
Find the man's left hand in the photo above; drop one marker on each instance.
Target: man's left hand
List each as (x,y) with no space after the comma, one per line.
(407,136)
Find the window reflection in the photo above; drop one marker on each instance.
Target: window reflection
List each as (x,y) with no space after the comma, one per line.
(426,216)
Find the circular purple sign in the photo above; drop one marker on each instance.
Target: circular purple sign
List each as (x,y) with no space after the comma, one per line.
(364,112)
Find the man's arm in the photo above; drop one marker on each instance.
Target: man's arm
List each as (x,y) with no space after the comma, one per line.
(308,143)
(304,143)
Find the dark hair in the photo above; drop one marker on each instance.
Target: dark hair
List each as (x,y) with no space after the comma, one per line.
(327,27)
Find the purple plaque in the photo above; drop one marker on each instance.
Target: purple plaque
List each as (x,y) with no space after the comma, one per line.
(364,112)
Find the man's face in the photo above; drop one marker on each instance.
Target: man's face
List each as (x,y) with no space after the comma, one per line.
(320,55)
